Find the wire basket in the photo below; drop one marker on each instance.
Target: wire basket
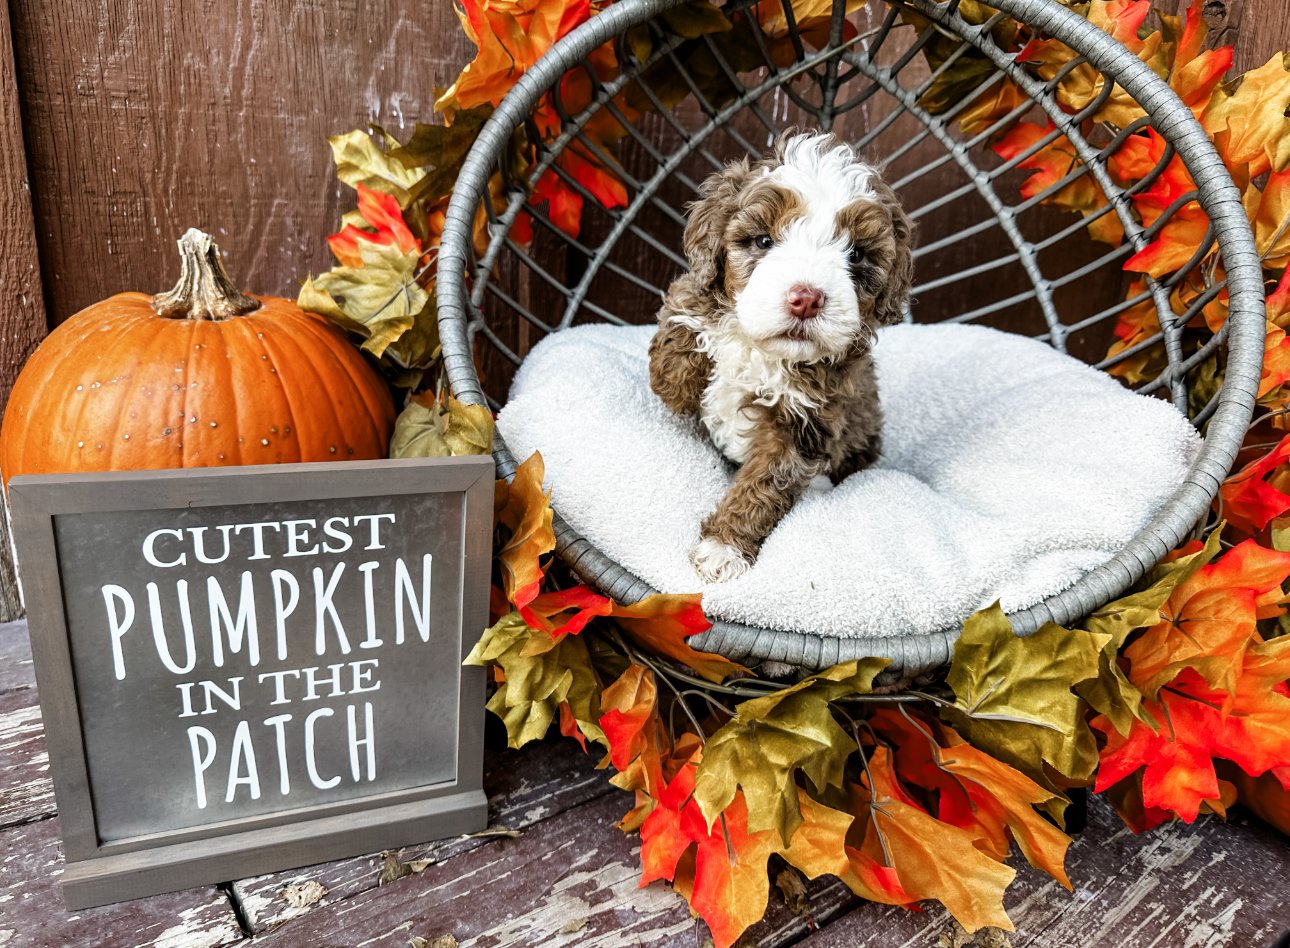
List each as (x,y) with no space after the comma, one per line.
(984,255)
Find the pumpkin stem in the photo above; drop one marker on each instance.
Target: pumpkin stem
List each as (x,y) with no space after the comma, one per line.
(204,290)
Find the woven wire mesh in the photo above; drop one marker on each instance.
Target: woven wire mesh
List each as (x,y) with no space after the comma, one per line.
(896,87)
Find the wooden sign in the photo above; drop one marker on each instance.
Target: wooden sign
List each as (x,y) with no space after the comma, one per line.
(256,668)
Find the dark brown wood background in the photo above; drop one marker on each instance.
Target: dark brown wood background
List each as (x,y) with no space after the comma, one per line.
(123,122)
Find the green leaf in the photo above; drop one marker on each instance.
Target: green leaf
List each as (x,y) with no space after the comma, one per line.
(423,431)
(1111,693)
(638,42)
(771,738)
(360,160)
(1014,695)
(382,302)
(437,152)
(539,673)
(696,18)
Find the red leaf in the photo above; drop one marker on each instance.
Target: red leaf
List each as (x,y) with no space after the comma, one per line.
(564,611)
(382,212)
(1249,501)
(1249,726)
(569,725)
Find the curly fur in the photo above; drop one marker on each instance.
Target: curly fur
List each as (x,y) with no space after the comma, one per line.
(787,400)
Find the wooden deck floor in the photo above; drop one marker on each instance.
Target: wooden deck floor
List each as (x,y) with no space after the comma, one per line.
(566,877)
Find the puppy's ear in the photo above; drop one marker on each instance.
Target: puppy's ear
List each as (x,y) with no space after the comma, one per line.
(704,239)
(893,299)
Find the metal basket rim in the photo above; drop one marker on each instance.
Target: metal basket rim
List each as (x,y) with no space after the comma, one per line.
(911,654)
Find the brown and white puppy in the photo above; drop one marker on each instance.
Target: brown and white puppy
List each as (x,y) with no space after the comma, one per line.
(795,261)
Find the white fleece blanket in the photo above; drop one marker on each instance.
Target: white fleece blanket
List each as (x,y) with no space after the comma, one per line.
(1008,470)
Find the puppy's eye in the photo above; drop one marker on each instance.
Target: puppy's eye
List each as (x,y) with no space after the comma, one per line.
(763,241)
(855,256)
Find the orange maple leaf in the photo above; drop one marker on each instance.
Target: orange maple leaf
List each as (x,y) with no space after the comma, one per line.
(639,747)
(662,622)
(1135,327)
(973,790)
(1208,622)
(525,509)
(1250,126)
(510,36)
(382,213)
(931,859)
(730,884)
(562,612)
(1249,726)
(1249,501)
(1197,71)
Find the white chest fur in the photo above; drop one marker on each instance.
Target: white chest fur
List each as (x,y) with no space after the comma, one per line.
(742,374)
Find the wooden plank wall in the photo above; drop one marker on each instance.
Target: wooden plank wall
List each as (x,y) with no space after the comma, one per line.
(22,306)
(141,119)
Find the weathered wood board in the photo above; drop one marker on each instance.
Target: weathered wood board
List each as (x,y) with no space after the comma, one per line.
(32,912)
(15,657)
(524,788)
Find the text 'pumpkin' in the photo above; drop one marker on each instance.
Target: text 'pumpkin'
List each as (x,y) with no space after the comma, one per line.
(201,376)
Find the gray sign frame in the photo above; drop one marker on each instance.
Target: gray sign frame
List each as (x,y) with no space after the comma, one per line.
(97,871)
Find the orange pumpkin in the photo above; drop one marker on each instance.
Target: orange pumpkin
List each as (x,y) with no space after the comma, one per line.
(202,376)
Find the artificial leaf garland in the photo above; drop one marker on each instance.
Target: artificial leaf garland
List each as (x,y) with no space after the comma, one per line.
(1172,700)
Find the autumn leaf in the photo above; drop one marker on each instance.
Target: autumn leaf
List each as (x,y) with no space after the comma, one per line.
(662,622)
(381,213)
(510,36)
(1249,726)
(671,828)
(630,707)
(424,429)
(1052,162)
(1249,501)
(1080,86)
(376,293)
(1249,123)
(972,790)
(1175,243)
(695,18)
(437,152)
(524,507)
(932,859)
(775,23)
(561,612)
(1004,801)
(772,738)
(362,162)
(1111,693)
(730,885)
(1268,209)
(537,682)
(1135,329)
(1014,695)
(1208,622)
(990,106)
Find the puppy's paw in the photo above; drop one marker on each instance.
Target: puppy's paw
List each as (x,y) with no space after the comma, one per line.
(718,562)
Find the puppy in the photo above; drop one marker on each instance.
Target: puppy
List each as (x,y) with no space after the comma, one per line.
(795,261)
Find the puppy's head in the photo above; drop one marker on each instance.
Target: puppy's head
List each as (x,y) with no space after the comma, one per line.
(807,251)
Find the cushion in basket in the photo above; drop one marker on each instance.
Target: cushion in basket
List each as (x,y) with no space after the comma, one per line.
(1008,470)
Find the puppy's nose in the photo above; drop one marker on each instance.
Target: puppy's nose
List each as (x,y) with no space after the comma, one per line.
(805,302)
